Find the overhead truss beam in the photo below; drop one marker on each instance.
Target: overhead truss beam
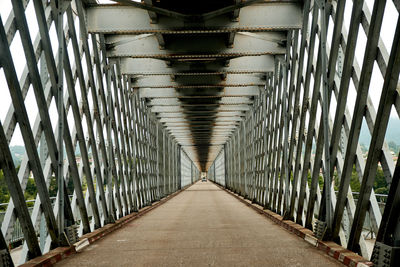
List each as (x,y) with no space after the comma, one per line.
(272,16)
(147,46)
(239,65)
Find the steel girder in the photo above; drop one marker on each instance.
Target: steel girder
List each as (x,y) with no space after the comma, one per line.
(199,110)
(151,66)
(259,17)
(241,91)
(183,82)
(207,46)
(150,100)
(200,101)
(282,168)
(121,165)
(222,119)
(222,114)
(196,65)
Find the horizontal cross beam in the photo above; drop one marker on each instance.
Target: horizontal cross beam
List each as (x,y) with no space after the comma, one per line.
(119,19)
(203,110)
(232,80)
(240,65)
(199,102)
(244,91)
(205,47)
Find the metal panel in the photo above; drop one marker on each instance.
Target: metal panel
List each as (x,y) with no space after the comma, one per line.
(307,69)
(99,123)
(243,94)
(260,17)
(207,47)
(152,66)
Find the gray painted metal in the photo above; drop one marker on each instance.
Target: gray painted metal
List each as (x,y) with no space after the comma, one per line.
(245,91)
(106,158)
(185,48)
(260,17)
(307,198)
(151,66)
(184,82)
(205,92)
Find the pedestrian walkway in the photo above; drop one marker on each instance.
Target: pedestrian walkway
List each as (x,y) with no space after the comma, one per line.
(202,226)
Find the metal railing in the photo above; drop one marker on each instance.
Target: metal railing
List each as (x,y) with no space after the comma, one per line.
(17,234)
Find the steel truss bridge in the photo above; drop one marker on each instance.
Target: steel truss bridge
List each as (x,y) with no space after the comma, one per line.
(266,96)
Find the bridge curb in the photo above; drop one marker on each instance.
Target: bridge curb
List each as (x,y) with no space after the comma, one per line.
(334,250)
(60,253)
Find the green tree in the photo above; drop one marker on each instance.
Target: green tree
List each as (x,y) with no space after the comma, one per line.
(30,191)
(320,180)
(4,195)
(380,185)
(354,180)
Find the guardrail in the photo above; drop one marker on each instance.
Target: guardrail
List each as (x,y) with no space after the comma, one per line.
(380,198)
(17,234)
(368,229)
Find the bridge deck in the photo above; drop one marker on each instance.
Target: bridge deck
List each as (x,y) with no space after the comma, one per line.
(202,226)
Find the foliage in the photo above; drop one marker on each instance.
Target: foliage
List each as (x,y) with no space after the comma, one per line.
(380,185)
(31,190)
(320,180)
(4,196)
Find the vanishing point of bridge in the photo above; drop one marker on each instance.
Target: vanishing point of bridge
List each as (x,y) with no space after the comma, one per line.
(119,108)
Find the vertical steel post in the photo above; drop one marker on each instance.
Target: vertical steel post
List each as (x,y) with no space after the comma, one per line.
(191,172)
(111,160)
(147,126)
(44,152)
(179,165)
(243,155)
(239,187)
(60,108)
(253,141)
(158,161)
(169,164)
(325,111)
(215,176)
(265,146)
(225,165)
(286,139)
(164,170)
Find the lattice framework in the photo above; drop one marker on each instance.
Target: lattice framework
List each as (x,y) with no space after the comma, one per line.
(293,126)
(122,166)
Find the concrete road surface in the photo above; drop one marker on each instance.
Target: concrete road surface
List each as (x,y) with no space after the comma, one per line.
(202,226)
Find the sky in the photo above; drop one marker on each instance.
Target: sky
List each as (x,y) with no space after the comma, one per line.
(387,33)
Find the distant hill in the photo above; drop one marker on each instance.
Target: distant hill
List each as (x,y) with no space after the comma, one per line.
(392,133)
(17,153)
